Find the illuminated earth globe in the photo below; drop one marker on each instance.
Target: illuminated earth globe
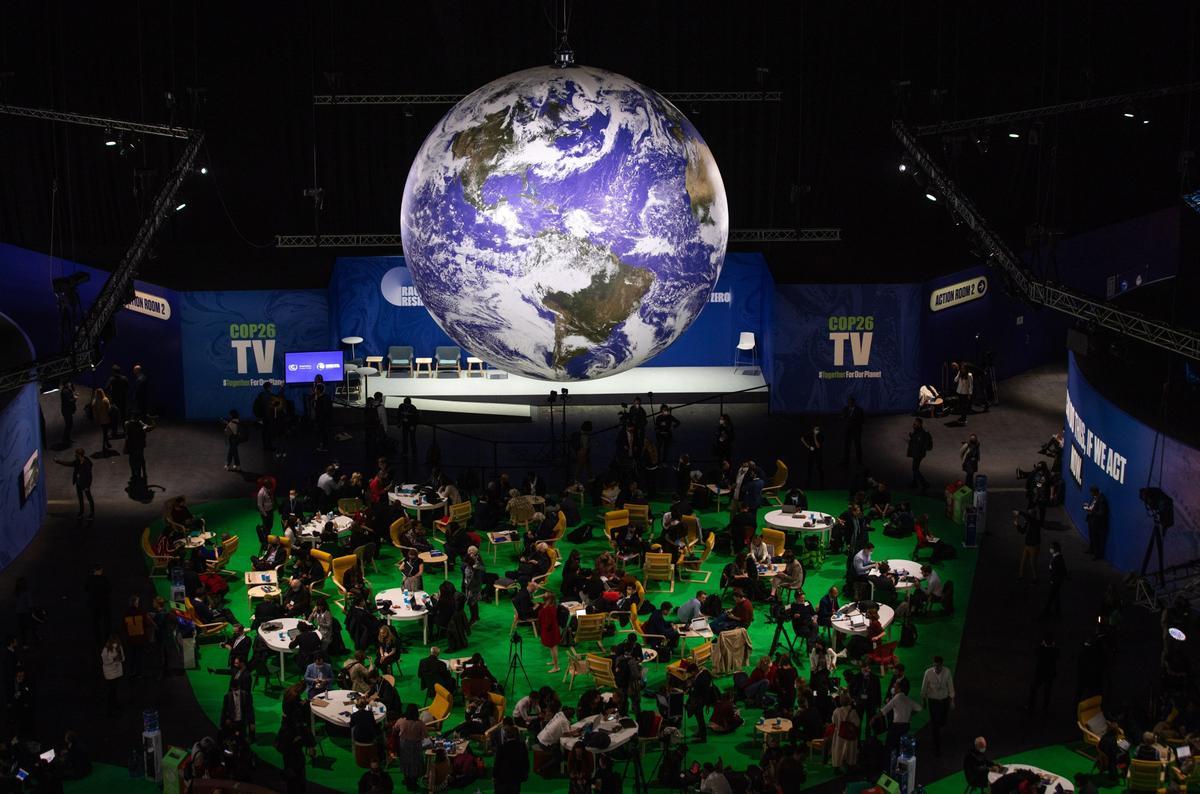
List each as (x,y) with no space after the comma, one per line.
(564,224)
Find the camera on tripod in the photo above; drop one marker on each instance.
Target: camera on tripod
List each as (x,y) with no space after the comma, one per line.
(515,639)
(1159,506)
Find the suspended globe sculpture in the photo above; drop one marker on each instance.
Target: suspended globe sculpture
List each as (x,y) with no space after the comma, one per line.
(564,224)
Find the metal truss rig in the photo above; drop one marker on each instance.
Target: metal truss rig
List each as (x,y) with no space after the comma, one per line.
(677,97)
(1152,332)
(84,351)
(1178,581)
(829,235)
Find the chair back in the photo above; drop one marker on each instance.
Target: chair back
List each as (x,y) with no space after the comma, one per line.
(322,557)
(590,628)
(439,709)
(341,565)
(146,547)
(657,565)
(776,539)
(447,354)
(710,540)
(400,355)
(560,527)
(501,704)
(520,511)
(702,653)
(693,528)
(1145,775)
(639,515)
(781,475)
(398,526)
(746,340)
(614,519)
(601,669)
(365,554)
(461,512)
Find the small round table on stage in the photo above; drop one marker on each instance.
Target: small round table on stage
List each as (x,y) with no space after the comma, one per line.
(773,730)
(847,621)
(909,573)
(801,521)
(352,341)
(400,611)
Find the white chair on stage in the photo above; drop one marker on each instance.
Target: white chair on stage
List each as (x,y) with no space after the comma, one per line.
(745,344)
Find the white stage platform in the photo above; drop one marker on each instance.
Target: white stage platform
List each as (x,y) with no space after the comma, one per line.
(456,393)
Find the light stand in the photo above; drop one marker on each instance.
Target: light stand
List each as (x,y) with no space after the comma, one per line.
(515,650)
(553,442)
(566,444)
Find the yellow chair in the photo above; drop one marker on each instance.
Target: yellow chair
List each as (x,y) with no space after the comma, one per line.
(460,513)
(601,670)
(560,528)
(204,629)
(323,558)
(1146,776)
(699,657)
(158,562)
(501,704)
(778,481)
(635,627)
(1085,711)
(576,665)
(398,526)
(439,709)
(692,567)
(220,565)
(658,566)
(518,620)
(552,553)
(693,529)
(776,539)
(615,519)
(590,629)
(639,515)
(520,512)
(340,566)
(284,541)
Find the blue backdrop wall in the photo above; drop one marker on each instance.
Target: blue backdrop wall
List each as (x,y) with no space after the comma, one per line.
(233,341)
(373,297)
(832,341)
(1106,447)
(150,337)
(20,437)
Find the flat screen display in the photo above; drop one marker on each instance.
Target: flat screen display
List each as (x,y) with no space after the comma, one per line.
(31,473)
(304,367)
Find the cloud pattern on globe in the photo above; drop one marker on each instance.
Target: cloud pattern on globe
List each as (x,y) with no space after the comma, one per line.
(564,224)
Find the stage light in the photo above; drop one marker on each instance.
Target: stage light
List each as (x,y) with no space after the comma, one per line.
(1145,121)
(931,197)
(110,142)
(903,167)
(1014,135)
(1127,112)
(565,393)
(180,206)
(1177,634)
(203,169)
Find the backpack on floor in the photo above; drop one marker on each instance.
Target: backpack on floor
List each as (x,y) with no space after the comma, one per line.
(580,534)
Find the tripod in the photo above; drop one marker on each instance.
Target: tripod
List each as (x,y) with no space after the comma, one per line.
(515,650)
(1156,540)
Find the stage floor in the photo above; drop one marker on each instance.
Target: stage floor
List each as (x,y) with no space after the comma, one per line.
(667,384)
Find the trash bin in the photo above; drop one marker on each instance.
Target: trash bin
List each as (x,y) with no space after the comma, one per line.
(963,498)
(172,769)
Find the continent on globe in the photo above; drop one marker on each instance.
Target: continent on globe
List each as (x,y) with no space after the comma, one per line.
(564,223)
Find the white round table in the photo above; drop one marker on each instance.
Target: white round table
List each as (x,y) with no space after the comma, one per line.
(311,531)
(617,735)
(909,573)
(365,373)
(768,571)
(399,612)
(352,341)
(197,540)
(336,705)
(409,502)
(1049,778)
(846,620)
(801,521)
(279,639)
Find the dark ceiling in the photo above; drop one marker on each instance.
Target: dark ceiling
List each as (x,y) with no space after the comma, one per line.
(824,156)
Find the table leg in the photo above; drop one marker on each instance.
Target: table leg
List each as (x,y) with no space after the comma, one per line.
(446,568)
(281,667)
(425,629)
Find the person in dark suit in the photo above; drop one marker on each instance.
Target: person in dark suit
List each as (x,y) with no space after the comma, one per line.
(67,407)
(410,417)
(135,448)
(1058,575)
(512,760)
(523,602)
(919,443)
(826,607)
(307,645)
(240,676)
(292,505)
(81,478)
(363,727)
(853,416)
(1097,523)
(432,670)
(141,391)
(117,390)
(658,623)
(238,645)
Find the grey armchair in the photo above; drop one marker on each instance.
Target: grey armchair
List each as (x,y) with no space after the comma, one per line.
(448,358)
(399,357)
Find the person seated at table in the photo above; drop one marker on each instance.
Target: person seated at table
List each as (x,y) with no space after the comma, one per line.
(531,565)
(555,725)
(875,632)
(266,610)
(306,644)
(178,517)
(658,622)
(760,552)
(355,487)
(273,557)
(479,715)
(739,574)
(879,502)
(322,619)
(884,581)
(591,703)
(296,600)
(433,670)
(725,715)
(414,537)
(362,623)
(901,522)
(527,711)
(798,499)
(306,569)
(387,648)
(318,676)
(412,570)
(208,613)
(928,590)
(1149,749)
(674,539)
(327,541)
(354,673)
(475,669)
(630,600)
(364,728)
(861,565)
(977,765)
(792,575)
(738,616)
(380,690)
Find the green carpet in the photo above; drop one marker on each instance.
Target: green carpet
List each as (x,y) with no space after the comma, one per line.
(106,777)
(1059,759)
(938,635)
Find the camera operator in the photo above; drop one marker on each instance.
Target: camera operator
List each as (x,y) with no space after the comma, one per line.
(1097,523)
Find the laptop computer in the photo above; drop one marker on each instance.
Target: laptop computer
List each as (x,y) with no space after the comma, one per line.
(789,509)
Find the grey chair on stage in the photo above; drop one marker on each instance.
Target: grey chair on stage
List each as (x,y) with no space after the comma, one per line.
(399,357)
(448,358)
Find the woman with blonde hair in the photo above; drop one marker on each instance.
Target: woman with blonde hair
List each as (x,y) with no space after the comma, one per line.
(102,415)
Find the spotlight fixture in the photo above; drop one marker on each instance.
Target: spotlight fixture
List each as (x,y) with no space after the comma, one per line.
(110,142)
(1145,121)
(982,140)
(1014,134)
(1128,113)
(180,206)
(903,167)
(1177,634)
(204,170)
(565,393)
(931,197)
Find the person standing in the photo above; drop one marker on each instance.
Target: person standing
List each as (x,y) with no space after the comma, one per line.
(969,454)
(854,417)
(937,689)
(665,424)
(1097,523)
(844,746)
(1030,525)
(118,391)
(112,665)
(409,417)
(919,443)
(135,448)
(98,591)
(512,760)
(264,412)
(548,631)
(67,407)
(102,414)
(81,478)
(964,388)
(233,439)
(899,709)
(814,442)
(265,501)
(140,391)
(1045,669)
(322,416)
(473,571)
(1058,575)
(137,627)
